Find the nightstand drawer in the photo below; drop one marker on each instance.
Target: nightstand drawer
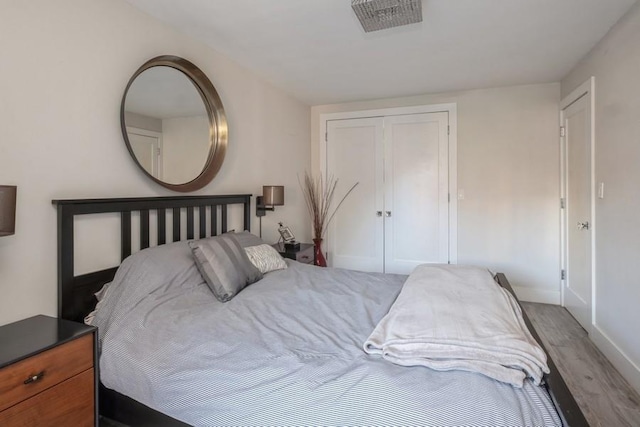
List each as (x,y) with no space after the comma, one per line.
(52,366)
(69,403)
(305,255)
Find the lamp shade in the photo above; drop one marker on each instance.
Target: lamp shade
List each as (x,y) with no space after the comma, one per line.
(273,195)
(7,210)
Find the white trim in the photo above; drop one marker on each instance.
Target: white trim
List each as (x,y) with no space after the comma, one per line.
(452,110)
(578,92)
(383,112)
(623,363)
(160,155)
(563,210)
(145,132)
(585,89)
(537,295)
(594,225)
(453,183)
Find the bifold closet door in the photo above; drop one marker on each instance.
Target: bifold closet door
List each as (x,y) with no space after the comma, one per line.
(355,154)
(398,216)
(416,196)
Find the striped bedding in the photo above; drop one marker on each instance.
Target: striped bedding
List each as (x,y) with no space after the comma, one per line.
(287,350)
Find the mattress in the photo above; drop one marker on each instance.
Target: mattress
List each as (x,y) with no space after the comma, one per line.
(287,350)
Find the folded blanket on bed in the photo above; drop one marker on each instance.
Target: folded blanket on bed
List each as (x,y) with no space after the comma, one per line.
(457,317)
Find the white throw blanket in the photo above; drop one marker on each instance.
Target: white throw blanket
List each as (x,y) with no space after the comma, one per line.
(457,317)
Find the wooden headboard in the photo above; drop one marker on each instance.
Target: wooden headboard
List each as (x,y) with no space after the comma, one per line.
(75,293)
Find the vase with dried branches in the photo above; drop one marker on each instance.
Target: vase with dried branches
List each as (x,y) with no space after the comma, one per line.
(319,194)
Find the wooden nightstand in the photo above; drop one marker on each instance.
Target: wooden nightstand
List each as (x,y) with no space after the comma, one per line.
(305,254)
(48,373)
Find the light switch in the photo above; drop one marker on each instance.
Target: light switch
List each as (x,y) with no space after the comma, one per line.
(460,194)
(601,190)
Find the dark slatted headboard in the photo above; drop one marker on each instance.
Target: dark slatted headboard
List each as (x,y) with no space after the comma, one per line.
(75,293)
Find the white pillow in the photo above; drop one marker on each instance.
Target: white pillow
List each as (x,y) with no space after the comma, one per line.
(265,258)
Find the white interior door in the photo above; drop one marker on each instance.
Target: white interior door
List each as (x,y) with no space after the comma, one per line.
(146,146)
(416,191)
(578,283)
(355,154)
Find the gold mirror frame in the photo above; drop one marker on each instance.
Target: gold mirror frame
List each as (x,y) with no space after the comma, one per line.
(218,130)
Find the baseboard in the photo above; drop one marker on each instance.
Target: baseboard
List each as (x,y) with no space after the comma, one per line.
(629,370)
(537,295)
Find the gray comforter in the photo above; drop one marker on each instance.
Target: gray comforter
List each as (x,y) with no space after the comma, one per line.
(287,350)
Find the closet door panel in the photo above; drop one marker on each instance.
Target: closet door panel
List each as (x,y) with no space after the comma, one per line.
(416,191)
(355,154)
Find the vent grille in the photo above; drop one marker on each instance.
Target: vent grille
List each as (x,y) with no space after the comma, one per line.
(375,15)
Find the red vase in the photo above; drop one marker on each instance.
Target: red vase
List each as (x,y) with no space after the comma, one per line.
(320,260)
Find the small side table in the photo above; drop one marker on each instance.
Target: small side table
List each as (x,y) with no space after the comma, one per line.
(48,373)
(305,254)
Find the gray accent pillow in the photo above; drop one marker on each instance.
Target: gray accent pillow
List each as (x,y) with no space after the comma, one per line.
(224,265)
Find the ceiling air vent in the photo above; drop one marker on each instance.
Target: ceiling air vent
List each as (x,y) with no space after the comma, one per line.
(377,15)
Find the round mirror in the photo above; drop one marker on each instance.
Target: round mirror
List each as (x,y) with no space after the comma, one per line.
(173,123)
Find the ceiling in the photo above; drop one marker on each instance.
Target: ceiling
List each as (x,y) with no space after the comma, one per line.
(317,51)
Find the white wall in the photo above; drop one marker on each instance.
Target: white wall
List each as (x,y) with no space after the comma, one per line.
(615,63)
(508,167)
(65,65)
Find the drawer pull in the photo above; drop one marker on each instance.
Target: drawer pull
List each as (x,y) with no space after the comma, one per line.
(34,378)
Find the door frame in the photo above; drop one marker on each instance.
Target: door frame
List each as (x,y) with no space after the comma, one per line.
(450,108)
(159,157)
(585,89)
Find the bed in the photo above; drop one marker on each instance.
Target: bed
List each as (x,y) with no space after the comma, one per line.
(272,363)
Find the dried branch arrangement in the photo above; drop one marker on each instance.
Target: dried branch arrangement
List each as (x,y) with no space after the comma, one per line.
(318,195)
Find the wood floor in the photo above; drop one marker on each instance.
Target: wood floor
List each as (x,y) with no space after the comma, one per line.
(605,398)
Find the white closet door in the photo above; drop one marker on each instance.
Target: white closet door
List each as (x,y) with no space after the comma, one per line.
(355,154)
(416,191)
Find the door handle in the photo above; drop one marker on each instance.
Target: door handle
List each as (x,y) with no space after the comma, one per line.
(378,213)
(583,225)
(387,214)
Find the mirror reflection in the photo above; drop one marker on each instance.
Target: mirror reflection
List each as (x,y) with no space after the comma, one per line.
(167,125)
